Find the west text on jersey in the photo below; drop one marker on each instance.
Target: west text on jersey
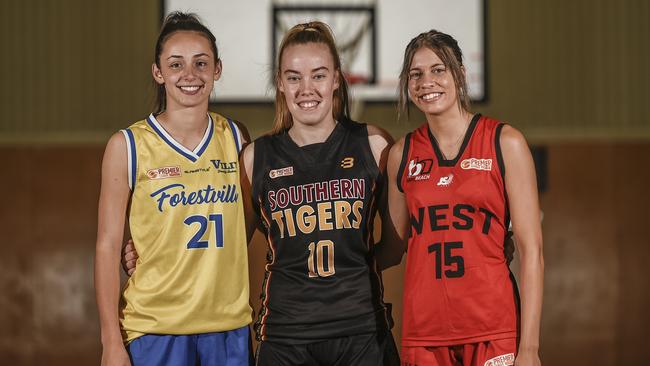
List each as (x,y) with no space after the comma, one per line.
(463,216)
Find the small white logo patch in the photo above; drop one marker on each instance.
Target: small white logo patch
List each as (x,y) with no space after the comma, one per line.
(282,172)
(446,181)
(504,360)
(478,164)
(419,169)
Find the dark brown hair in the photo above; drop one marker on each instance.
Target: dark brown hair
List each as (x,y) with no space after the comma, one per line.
(312,32)
(175,22)
(446,47)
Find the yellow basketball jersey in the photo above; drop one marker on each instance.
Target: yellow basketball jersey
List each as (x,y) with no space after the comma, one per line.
(187,222)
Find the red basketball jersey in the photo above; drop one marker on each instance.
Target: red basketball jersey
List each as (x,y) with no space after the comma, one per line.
(457,286)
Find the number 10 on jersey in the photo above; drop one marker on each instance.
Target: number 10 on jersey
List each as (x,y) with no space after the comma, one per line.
(322,254)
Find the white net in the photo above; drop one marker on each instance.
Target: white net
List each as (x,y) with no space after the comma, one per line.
(351,22)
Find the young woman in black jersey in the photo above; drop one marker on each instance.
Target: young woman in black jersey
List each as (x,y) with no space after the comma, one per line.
(315,184)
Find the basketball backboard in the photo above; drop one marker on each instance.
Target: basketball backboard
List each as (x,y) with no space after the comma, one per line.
(371,35)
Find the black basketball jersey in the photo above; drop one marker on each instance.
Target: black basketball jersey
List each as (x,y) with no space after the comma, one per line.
(317,206)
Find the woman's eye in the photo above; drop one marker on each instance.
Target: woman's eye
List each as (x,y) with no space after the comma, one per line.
(319,76)
(415,75)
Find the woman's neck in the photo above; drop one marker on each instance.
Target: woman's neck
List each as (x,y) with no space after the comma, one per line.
(187,126)
(186,121)
(306,134)
(448,126)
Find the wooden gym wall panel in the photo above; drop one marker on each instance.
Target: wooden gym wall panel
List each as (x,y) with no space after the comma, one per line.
(75,70)
(596,249)
(570,69)
(48,220)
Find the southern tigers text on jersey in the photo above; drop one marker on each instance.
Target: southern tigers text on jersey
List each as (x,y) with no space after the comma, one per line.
(458,287)
(317,204)
(187,222)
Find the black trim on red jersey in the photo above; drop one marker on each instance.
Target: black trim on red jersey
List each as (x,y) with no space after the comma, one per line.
(497,146)
(468,134)
(402,164)
(502,168)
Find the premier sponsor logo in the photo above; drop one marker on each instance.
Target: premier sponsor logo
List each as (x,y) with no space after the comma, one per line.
(477,164)
(164,172)
(504,360)
(419,169)
(282,172)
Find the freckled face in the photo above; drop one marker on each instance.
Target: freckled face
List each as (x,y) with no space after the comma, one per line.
(187,69)
(308,80)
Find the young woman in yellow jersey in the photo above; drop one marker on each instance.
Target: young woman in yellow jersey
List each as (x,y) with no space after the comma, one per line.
(176,175)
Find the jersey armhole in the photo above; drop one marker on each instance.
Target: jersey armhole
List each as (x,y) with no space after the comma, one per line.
(499,154)
(236,134)
(368,155)
(502,171)
(257,175)
(402,164)
(131,157)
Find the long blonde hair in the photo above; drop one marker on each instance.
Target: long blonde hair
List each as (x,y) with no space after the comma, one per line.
(312,32)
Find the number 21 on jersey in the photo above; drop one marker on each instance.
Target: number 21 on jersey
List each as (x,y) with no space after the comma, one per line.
(204,221)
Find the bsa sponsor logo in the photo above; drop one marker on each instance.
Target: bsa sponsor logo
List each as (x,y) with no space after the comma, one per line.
(478,164)
(224,166)
(282,172)
(446,181)
(347,163)
(164,172)
(504,360)
(419,169)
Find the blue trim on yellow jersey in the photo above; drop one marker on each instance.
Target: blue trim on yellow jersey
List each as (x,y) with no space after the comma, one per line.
(176,146)
(233,128)
(210,133)
(133,159)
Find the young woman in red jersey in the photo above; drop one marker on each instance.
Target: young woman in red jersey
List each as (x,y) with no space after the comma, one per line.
(454,185)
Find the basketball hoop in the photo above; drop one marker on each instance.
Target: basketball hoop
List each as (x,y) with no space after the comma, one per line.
(353,25)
